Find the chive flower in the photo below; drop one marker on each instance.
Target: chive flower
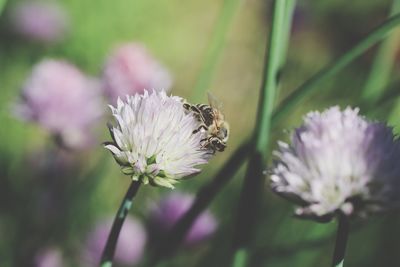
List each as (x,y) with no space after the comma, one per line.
(41,21)
(338,161)
(130,246)
(131,69)
(153,140)
(49,257)
(170,209)
(64,101)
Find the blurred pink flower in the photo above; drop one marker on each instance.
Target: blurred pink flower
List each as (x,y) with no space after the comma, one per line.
(50,257)
(130,69)
(171,208)
(62,100)
(130,246)
(43,21)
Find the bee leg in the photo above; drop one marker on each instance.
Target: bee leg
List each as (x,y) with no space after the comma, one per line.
(205,140)
(197,116)
(199,129)
(202,141)
(213,151)
(195,109)
(205,144)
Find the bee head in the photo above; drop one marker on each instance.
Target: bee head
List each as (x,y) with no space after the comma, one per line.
(218,144)
(223,132)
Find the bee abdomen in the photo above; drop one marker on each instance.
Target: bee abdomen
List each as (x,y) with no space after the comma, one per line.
(207,113)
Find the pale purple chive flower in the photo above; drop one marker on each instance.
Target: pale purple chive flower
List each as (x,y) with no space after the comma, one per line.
(338,161)
(131,69)
(172,207)
(50,257)
(153,140)
(43,21)
(62,100)
(130,246)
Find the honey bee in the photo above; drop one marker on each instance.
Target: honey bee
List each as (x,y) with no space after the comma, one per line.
(212,122)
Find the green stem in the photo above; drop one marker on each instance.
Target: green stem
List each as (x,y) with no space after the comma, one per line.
(270,82)
(2,5)
(315,81)
(240,258)
(390,94)
(109,250)
(203,199)
(287,26)
(341,241)
(214,51)
(253,182)
(383,63)
(290,7)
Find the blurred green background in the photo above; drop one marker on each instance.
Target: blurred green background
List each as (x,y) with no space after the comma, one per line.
(179,33)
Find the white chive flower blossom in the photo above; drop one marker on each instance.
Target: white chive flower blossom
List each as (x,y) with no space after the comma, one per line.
(153,140)
(338,161)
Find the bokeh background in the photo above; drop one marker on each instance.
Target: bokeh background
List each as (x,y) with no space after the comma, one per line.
(52,198)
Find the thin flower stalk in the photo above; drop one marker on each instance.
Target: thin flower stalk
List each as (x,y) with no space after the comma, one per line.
(109,250)
(341,241)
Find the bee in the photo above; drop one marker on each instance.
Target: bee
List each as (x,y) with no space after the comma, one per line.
(212,122)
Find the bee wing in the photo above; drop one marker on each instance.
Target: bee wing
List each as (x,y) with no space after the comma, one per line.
(213,101)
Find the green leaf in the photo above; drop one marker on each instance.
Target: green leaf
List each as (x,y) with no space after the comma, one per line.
(215,48)
(381,69)
(332,69)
